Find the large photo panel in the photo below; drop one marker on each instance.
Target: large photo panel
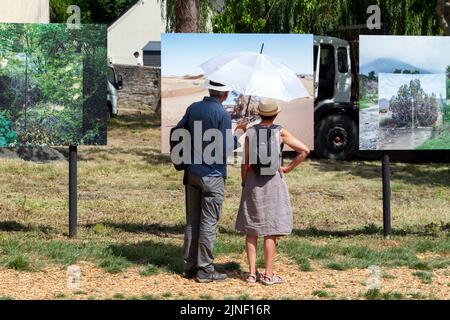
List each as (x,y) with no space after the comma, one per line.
(405,93)
(53,85)
(182,56)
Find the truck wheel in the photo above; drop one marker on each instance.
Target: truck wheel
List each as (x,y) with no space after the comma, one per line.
(336,137)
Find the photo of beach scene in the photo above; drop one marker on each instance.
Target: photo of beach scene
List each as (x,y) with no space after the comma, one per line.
(183,79)
(405,93)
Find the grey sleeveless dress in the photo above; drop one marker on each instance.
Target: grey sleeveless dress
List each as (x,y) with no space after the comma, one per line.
(265,208)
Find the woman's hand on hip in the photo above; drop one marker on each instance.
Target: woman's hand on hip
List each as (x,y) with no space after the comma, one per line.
(285,170)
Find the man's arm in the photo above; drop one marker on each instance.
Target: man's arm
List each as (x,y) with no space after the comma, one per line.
(184,121)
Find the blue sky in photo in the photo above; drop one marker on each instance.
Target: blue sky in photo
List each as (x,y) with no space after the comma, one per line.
(181,54)
(431,53)
(388,84)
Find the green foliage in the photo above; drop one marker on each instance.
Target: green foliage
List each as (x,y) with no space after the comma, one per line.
(92,11)
(119,296)
(114,264)
(325,17)
(100,229)
(35,135)
(19,262)
(8,137)
(442,142)
(424,276)
(320,294)
(50,126)
(368,88)
(376,294)
(447,112)
(441,138)
(345,257)
(52,83)
(406,71)
(363,104)
(149,270)
(411,97)
(412,17)
(448,82)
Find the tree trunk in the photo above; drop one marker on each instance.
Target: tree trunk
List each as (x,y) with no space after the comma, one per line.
(443,14)
(187,16)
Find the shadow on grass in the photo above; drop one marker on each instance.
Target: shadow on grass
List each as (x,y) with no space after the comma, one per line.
(231,232)
(136,121)
(232,269)
(425,230)
(162,255)
(425,174)
(154,228)
(153,156)
(149,155)
(14,226)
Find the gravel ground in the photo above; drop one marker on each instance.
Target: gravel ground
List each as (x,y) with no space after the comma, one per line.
(50,283)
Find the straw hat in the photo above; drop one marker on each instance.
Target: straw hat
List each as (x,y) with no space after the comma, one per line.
(268,107)
(209,84)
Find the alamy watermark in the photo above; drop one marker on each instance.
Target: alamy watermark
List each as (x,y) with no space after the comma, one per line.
(374,21)
(212,147)
(74,19)
(373,278)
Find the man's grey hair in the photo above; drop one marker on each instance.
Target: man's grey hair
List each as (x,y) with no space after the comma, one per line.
(217,94)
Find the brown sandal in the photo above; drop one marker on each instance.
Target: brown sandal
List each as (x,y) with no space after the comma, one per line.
(251,278)
(271,280)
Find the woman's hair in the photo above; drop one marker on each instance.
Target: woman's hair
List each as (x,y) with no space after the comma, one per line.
(268,118)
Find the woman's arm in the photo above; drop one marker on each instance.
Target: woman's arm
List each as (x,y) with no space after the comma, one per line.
(298,146)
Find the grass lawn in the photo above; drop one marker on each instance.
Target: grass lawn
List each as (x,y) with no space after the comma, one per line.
(442,140)
(448,88)
(364,104)
(131,216)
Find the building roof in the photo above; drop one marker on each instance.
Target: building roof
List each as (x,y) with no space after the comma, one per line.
(133,5)
(152,46)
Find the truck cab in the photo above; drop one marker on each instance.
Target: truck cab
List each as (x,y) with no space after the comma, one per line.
(115,83)
(335,108)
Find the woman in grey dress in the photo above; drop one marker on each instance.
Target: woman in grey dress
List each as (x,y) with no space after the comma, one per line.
(265,209)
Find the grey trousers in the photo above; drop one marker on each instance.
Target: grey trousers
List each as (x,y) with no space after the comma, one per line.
(204,198)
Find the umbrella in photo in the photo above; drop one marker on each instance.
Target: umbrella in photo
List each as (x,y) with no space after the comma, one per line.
(255,74)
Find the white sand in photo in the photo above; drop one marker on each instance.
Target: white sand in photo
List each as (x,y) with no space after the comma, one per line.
(178,93)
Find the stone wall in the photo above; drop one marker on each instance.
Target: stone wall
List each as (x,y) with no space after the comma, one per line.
(141,87)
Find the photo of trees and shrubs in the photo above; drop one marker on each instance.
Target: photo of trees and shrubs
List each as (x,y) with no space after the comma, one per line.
(52,85)
(405,92)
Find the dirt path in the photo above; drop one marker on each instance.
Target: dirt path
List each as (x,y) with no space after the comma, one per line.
(403,139)
(50,283)
(368,128)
